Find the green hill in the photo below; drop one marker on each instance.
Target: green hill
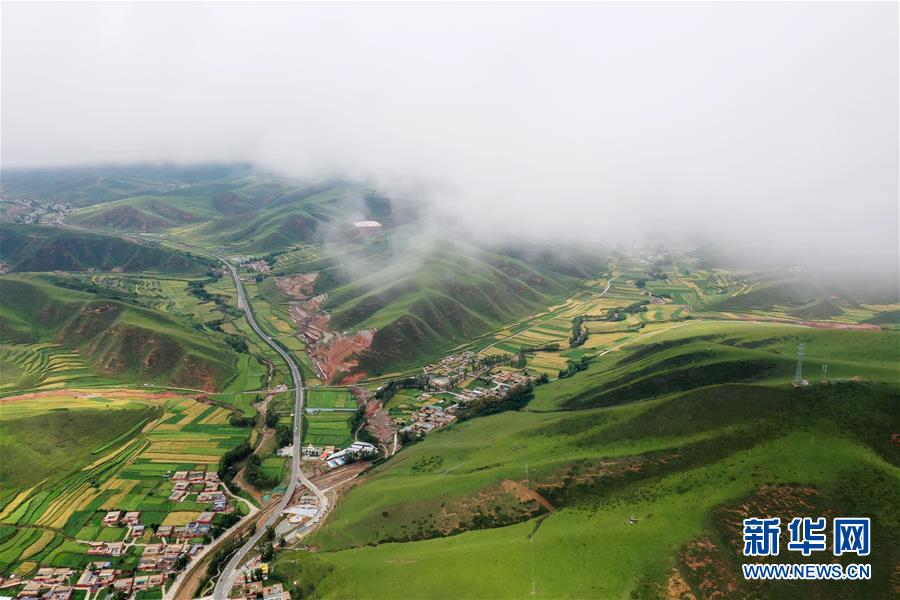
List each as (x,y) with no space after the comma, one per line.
(424,301)
(84,186)
(115,340)
(573,500)
(40,248)
(249,213)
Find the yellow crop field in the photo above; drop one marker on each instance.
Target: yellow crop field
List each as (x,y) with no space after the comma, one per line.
(15,502)
(162,457)
(18,408)
(219,417)
(122,486)
(602,340)
(38,545)
(62,508)
(179,518)
(193,411)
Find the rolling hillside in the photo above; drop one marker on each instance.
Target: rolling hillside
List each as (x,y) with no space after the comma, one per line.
(84,186)
(248,213)
(424,299)
(40,248)
(652,486)
(112,339)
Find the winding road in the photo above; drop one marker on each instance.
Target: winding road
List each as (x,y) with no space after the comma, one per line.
(229,573)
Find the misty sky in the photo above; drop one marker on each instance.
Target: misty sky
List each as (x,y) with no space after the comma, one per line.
(773,125)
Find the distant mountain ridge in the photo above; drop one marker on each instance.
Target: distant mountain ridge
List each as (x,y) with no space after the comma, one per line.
(45,248)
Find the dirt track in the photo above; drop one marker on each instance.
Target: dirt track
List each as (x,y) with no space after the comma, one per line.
(525,494)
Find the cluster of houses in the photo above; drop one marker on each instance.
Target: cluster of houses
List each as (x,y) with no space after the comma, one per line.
(96,579)
(258,265)
(47,584)
(445,376)
(454,368)
(163,557)
(451,369)
(131,520)
(429,418)
(33,211)
(159,558)
(59,583)
(205,483)
(196,528)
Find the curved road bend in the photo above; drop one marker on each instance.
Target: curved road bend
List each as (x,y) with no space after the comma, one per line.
(227,577)
(229,574)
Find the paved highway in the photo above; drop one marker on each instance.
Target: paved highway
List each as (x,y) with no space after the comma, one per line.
(229,573)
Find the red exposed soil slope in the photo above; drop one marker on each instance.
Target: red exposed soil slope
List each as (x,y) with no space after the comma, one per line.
(332,353)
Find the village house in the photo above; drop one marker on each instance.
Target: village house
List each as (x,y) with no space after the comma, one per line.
(32,589)
(253,589)
(275,592)
(197,529)
(87,580)
(123,585)
(148,563)
(53,576)
(107,576)
(132,518)
(62,592)
(112,518)
(106,549)
(164,531)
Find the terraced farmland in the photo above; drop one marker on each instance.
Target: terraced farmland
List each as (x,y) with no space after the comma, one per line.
(43,366)
(118,448)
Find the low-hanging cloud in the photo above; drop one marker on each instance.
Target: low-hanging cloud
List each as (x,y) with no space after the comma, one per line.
(770,125)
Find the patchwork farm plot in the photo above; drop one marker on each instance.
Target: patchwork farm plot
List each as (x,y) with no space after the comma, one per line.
(330,398)
(126,452)
(327,429)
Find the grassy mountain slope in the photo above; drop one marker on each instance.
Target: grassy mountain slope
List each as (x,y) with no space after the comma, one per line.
(84,186)
(117,340)
(607,499)
(249,213)
(41,447)
(38,248)
(423,301)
